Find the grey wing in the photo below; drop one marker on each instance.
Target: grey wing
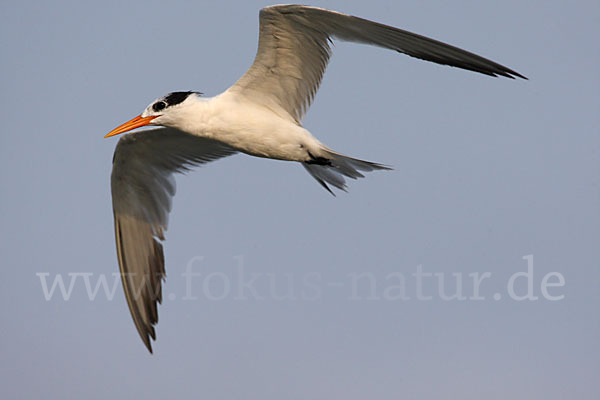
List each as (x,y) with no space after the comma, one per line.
(142,186)
(294,48)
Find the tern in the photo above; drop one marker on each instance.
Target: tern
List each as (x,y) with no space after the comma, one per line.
(259,115)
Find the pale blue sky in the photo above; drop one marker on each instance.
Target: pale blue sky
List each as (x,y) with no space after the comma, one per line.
(487,171)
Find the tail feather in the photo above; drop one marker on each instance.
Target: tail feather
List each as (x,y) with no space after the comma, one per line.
(338,167)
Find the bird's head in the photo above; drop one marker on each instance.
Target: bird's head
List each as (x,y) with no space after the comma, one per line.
(162,111)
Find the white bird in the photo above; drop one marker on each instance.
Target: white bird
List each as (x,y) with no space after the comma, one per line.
(259,115)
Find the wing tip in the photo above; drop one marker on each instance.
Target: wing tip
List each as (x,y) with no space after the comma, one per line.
(147,343)
(509,73)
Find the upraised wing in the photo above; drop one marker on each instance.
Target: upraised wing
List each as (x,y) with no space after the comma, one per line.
(294,48)
(142,186)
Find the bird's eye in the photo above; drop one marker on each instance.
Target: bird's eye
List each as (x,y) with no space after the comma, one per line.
(160,105)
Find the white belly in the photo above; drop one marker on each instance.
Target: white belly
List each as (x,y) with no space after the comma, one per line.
(255,130)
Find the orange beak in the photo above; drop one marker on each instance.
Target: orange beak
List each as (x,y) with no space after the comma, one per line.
(137,122)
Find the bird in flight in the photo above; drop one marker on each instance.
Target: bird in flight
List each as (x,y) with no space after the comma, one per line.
(259,115)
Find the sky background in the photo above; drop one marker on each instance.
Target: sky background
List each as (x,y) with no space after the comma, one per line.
(486,172)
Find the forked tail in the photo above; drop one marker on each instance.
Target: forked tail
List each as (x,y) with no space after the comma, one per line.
(334,167)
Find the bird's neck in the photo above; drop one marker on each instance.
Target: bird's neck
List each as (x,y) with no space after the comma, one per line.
(196,117)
